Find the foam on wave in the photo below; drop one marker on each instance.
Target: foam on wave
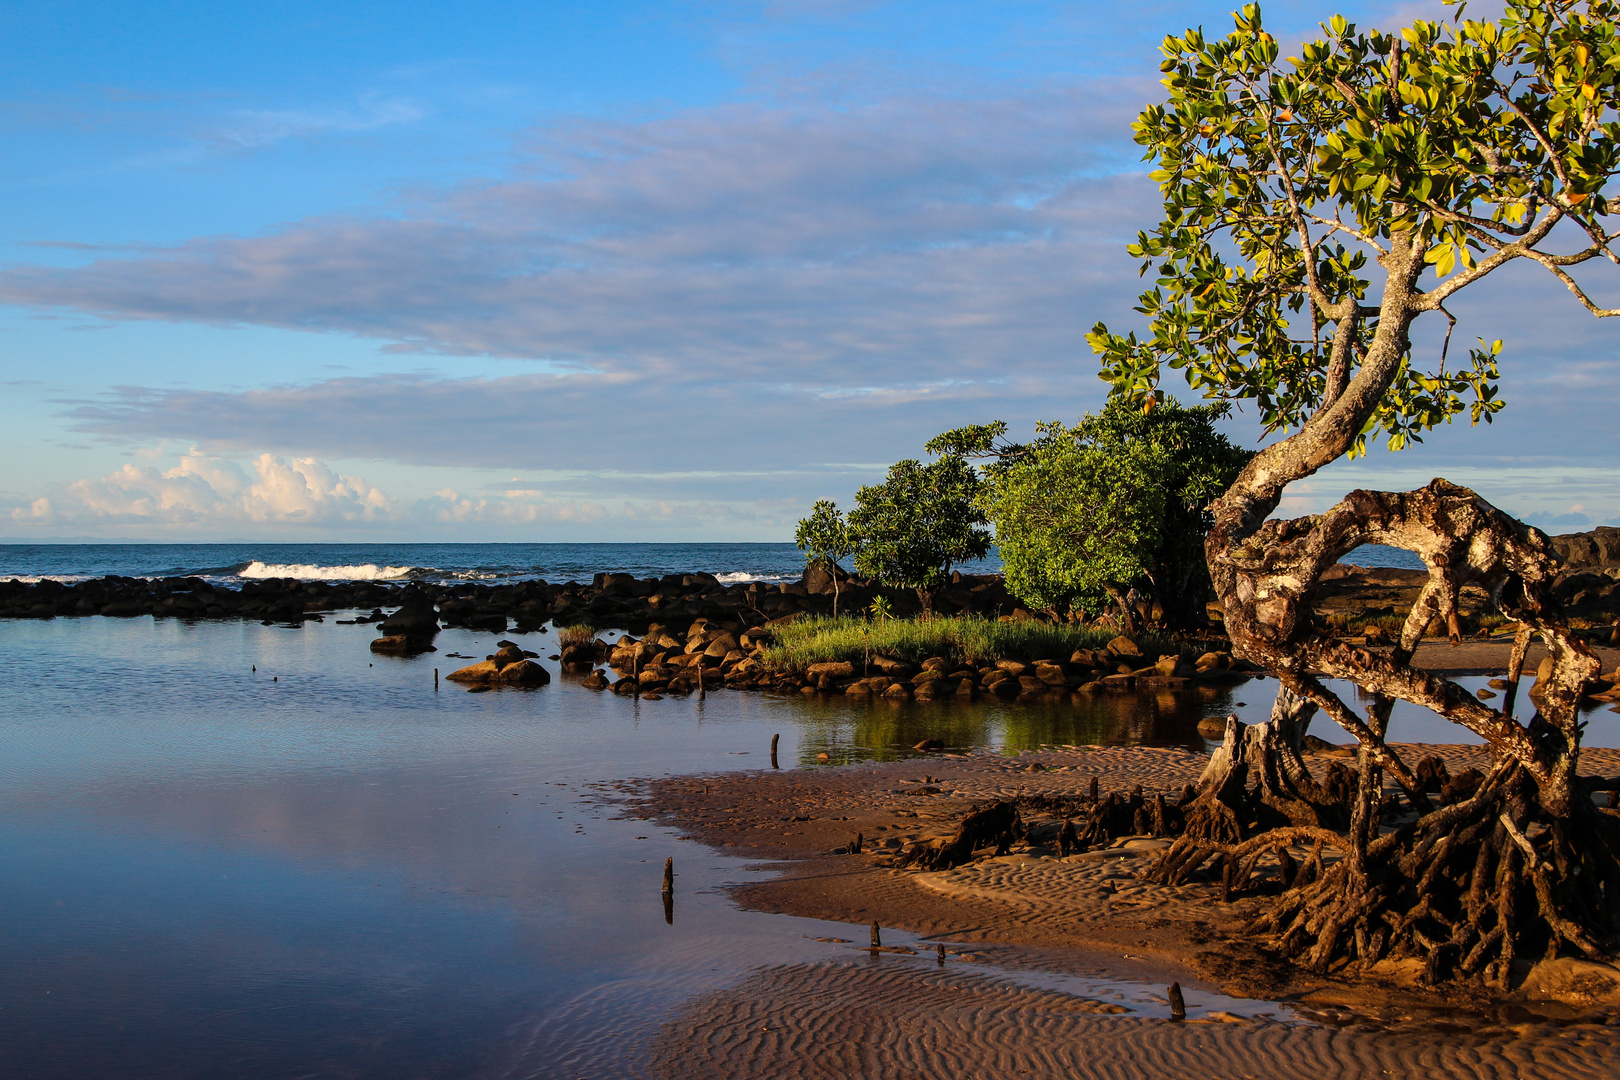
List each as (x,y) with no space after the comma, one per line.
(737,576)
(35,579)
(306,572)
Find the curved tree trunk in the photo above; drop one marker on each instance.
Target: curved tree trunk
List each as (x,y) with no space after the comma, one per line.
(1525,866)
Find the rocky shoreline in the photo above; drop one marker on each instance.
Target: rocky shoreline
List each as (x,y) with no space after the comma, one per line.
(1357,601)
(608,600)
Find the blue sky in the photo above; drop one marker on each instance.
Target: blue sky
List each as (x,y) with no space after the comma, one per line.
(609,270)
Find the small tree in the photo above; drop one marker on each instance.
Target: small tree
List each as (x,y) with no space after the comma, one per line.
(1314,209)
(1115,503)
(826,538)
(918,523)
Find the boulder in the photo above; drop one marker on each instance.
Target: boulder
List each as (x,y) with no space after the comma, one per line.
(1124,646)
(895,669)
(818,579)
(484,671)
(415,618)
(1051,674)
(523,673)
(722,644)
(400,645)
(832,669)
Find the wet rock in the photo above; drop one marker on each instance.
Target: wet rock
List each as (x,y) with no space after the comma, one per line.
(401,645)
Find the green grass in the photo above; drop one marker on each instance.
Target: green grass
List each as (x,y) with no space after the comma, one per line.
(967,639)
(578,634)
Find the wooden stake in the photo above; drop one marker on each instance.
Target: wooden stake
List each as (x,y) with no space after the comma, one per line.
(701,691)
(669,876)
(877,939)
(774,740)
(1178,1007)
(435,678)
(939,954)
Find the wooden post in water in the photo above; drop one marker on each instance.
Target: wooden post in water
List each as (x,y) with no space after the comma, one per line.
(1178,1007)
(939,954)
(435,679)
(669,876)
(635,669)
(877,939)
(700,678)
(774,740)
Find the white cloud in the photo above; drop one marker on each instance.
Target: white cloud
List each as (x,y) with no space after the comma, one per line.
(205,489)
(205,495)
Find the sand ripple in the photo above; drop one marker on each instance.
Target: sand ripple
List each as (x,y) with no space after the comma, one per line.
(900,1021)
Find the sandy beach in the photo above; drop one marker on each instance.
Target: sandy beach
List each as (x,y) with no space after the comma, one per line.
(1033,908)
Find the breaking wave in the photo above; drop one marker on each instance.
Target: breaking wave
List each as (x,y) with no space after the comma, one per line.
(306,572)
(736,576)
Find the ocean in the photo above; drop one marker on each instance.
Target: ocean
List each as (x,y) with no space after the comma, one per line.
(232,564)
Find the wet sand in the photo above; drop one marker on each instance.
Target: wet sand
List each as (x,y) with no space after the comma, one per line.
(894,1018)
(840,1021)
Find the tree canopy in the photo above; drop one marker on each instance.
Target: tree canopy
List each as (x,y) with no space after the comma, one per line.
(921,521)
(1084,514)
(1439,154)
(826,537)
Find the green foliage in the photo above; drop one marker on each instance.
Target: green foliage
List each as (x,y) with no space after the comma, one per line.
(969,639)
(826,537)
(1116,502)
(918,523)
(1287,183)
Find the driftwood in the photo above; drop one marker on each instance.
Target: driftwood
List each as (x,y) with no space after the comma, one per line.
(998,824)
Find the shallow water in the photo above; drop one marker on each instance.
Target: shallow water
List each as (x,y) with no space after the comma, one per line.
(325,867)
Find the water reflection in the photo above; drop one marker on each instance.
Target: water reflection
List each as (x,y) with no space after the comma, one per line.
(324,866)
(862,728)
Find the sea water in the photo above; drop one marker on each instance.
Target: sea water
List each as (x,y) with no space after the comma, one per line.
(232,564)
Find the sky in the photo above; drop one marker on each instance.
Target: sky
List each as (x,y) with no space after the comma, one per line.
(613,270)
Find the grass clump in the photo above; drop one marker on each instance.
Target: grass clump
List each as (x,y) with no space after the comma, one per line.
(968,639)
(578,634)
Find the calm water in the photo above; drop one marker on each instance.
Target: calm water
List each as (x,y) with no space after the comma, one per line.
(325,868)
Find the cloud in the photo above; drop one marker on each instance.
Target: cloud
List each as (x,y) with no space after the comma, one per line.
(208,490)
(716,307)
(748,240)
(252,129)
(210,495)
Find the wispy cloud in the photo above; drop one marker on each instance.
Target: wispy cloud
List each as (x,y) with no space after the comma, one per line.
(751,239)
(251,129)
